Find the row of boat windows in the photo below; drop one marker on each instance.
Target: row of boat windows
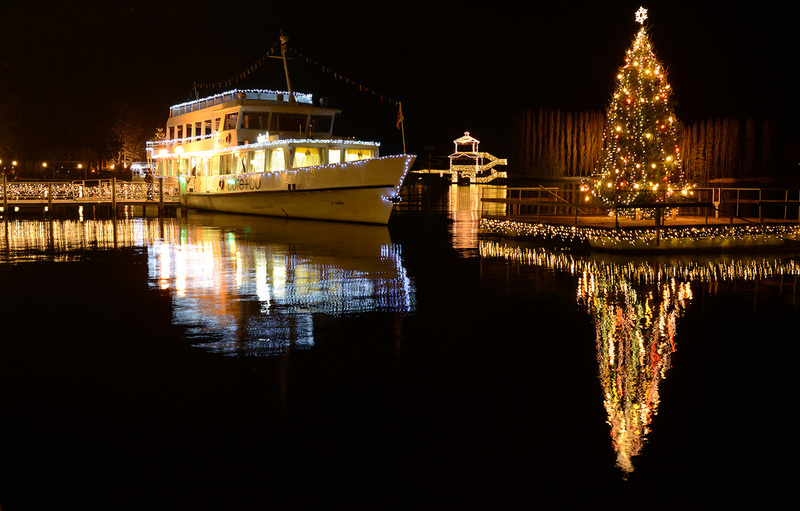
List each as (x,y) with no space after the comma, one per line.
(264,160)
(269,121)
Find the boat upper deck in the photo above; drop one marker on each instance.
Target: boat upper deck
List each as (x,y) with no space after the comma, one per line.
(275,97)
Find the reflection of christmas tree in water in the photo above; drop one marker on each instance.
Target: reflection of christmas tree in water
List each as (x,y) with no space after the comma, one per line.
(635,303)
(640,160)
(635,340)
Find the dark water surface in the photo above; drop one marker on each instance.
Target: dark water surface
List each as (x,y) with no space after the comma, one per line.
(230,362)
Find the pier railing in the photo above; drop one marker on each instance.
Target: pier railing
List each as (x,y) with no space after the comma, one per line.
(757,204)
(111,191)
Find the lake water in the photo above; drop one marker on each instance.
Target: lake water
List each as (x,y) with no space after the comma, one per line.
(233,362)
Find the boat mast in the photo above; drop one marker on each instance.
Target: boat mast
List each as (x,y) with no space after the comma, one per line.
(284,40)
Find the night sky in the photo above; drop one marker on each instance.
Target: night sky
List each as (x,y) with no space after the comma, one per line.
(455,67)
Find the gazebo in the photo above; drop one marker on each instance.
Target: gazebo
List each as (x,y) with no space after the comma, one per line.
(466,156)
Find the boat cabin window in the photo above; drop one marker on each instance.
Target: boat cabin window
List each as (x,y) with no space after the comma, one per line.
(178,132)
(255,120)
(276,160)
(231,121)
(334,155)
(287,122)
(188,131)
(239,164)
(171,133)
(358,154)
(216,123)
(258,161)
(225,161)
(207,127)
(306,157)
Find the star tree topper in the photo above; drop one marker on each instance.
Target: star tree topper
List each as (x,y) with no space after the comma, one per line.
(641,15)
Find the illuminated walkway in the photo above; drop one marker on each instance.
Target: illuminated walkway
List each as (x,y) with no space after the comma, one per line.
(22,195)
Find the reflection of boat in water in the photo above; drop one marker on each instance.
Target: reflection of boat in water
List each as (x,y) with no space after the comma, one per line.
(361,244)
(273,153)
(635,303)
(251,285)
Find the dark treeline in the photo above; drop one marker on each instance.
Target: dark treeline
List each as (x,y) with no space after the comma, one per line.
(556,144)
(50,123)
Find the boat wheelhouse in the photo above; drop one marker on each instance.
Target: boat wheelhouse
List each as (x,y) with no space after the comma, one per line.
(274,153)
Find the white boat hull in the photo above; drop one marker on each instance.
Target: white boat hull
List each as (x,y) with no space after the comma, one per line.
(360,191)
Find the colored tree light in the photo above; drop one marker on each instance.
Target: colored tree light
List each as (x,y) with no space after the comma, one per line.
(641,160)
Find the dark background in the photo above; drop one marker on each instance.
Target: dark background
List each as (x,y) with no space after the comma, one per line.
(454,67)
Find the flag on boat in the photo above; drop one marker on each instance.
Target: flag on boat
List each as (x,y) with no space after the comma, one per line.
(400,117)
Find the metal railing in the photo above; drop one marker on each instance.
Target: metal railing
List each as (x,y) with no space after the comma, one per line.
(742,203)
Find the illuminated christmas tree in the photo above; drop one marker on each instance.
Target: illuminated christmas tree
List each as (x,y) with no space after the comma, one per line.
(640,161)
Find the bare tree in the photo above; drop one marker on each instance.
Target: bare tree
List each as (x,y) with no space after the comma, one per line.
(125,141)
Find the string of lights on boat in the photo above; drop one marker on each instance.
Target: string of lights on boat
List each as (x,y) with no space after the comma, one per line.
(215,99)
(158,149)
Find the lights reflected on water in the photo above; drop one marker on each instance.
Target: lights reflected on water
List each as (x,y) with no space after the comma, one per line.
(244,286)
(635,341)
(28,239)
(252,286)
(635,304)
(465,209)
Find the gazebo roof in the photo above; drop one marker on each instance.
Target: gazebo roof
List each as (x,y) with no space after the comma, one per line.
(466,139)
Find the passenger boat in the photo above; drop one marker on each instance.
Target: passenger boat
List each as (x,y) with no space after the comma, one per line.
(273,153)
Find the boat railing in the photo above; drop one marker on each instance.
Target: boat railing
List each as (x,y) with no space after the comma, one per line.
(223,97)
